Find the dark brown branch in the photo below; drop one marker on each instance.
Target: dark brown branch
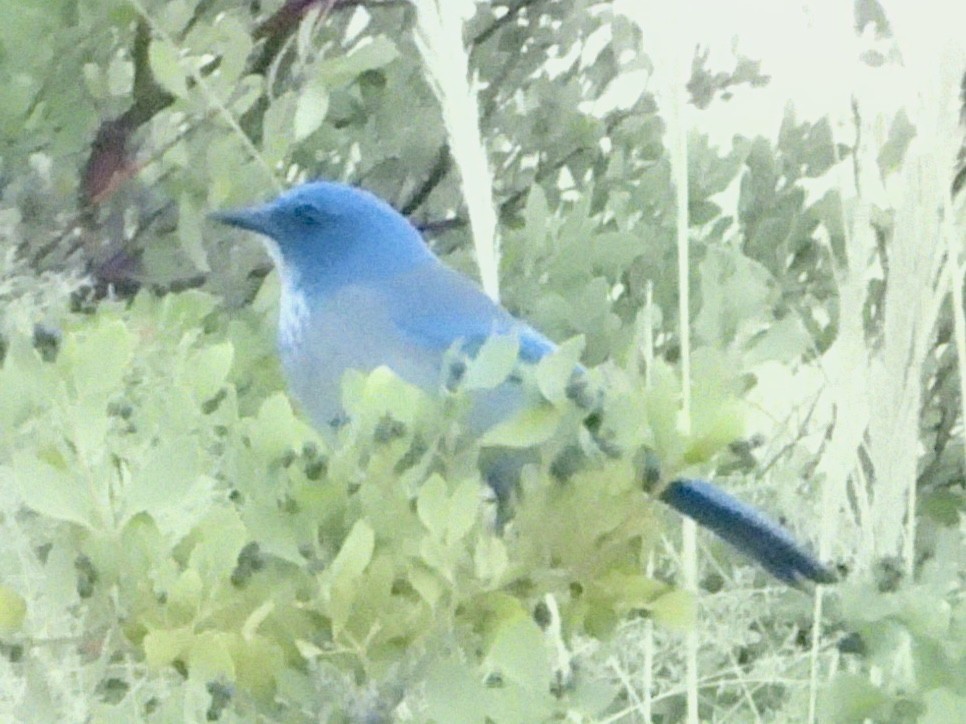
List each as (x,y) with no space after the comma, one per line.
(511,14)
(443,160)
(436,174)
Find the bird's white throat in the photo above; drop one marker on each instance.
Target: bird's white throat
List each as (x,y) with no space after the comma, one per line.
(293,308)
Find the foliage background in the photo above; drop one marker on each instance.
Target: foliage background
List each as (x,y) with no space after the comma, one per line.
(178,545)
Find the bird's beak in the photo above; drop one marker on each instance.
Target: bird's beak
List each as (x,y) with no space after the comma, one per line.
(255,218)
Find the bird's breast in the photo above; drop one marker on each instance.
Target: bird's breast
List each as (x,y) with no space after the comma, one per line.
(350,328)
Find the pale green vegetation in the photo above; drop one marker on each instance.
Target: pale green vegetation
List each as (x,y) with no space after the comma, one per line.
(178,544)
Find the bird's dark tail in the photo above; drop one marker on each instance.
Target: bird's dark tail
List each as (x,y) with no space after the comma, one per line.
(746,529)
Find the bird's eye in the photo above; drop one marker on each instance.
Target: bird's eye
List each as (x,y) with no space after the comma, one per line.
(308,214)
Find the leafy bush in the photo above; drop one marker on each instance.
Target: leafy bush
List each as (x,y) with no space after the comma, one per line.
(188,519)
(179,544)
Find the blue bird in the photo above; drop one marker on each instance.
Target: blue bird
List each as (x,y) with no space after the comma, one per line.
(360,289)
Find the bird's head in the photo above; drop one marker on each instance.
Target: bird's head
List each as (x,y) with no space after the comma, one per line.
(326,234)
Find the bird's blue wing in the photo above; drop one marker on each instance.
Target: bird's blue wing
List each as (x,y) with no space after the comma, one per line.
(436,307)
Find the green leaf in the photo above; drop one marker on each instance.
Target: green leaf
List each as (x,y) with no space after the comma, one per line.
(186,594)
(432,505)
(169,485)
(120,75)
(700,212)
(556,369)
(208,368)
(615,250)
(166,67)
(820,148)
(190,219)
(852,698)
(355,553)
(529,427)
(490,558)
(713,431)
(369,398)
(901,133)
(163,646)
(493,363)
(246,92)
(310,109)
(343,584)
(785,341)
(519,653)
(663,403)
(942,706)
(175,15)
(735,292)
(97,358)
(717,417)
(258,662)
(276,429)
(186,310)
(278,123)
(676,609)
(449,517)
(233,40)
(209,657)
(25,382)
(446,675)
(220,535)
(378,52)
(464,507)
(536,213)
(13,610)
(52,491)
(428,585)
(88,423)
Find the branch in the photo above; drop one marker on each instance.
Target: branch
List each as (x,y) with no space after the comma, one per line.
(436,174)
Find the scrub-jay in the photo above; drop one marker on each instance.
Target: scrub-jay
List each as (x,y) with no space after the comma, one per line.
(361,289)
